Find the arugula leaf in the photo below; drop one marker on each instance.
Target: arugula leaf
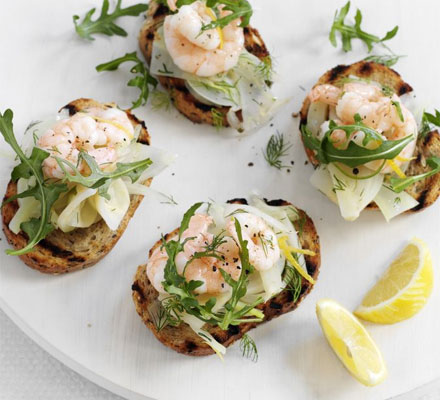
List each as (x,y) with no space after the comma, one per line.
(98,179)
(239,287)
(400,184)
(142,81)
(47,193)
(239,9)
(354,155)
(387,60)
(349,32)
(428,120)
(105,23)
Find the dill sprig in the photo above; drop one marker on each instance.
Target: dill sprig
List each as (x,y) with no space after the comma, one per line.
(248,348)
(293,280)
(339,185)
(275,149)
(217,118)
(210,249)
(169,199)
(265,69)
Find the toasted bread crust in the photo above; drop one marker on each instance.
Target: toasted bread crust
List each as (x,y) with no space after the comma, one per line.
(183,100)
(63,252)
(183,339)
(426,192)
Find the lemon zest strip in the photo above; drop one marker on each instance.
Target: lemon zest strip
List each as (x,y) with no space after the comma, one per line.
(287,251)
(115,124)
(396,169)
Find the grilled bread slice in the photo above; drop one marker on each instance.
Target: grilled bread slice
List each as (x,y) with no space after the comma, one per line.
(426,191)
(63,252)
(183,100)
(183,339)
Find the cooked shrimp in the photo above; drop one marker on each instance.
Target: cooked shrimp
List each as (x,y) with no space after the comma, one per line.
(325,93)
(262,245)
(172,5)
(200,52)
(95,131)
(377,111)
(206,269)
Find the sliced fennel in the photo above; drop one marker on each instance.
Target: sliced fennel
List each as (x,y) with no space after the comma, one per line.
(79,213)
(322,181)
(114,209)
(196,325)
(357,194)
(243,88)
(353,195)
(392,204)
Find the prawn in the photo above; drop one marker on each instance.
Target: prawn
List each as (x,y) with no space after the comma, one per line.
(202,52)
(262,245)
(378,111)
(205,269)
(95,131)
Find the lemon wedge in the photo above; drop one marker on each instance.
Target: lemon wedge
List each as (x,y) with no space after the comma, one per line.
(403,290)
(351,342)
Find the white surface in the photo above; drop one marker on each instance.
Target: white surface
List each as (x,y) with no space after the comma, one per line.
(27,372)
(87,319)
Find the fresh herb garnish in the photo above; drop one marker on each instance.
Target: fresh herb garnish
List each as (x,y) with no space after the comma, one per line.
(275,149)
(354,155)
(427,121)
(143,80)
(349,32)
(265,69)
(217,118)
(293,280)
(98,179)
(182,293)
(248,348)
(233,314)
(45,192)
(105,23)
(170,199)
(386,59)
(210,249)
(398,185)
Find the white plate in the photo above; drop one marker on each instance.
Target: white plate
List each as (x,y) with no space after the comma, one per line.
(87,319)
